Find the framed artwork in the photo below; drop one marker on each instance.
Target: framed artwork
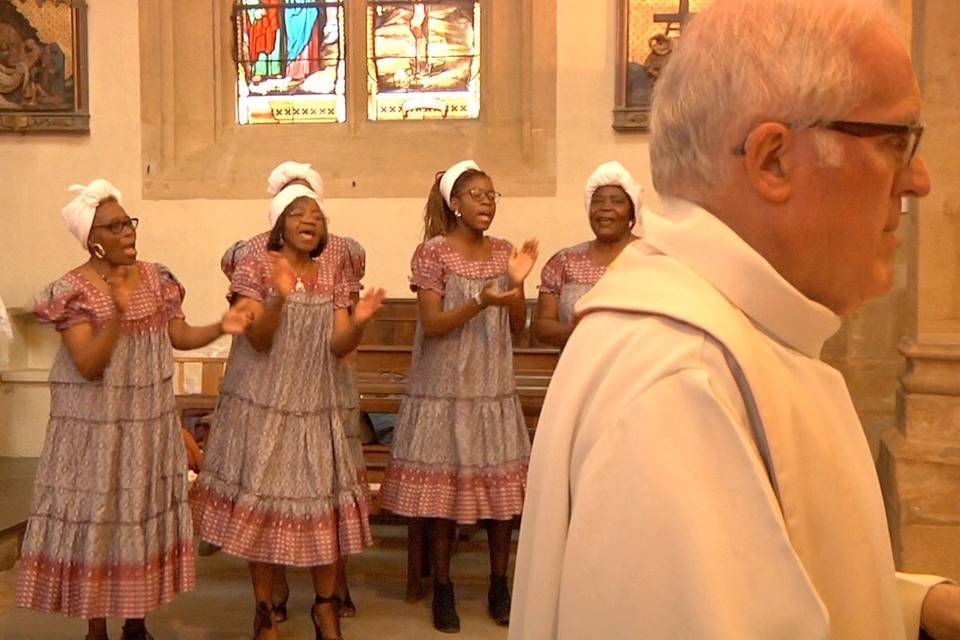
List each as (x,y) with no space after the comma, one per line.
(43,66)
(647,32)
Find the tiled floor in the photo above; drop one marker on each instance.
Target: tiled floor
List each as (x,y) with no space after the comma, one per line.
(222,607)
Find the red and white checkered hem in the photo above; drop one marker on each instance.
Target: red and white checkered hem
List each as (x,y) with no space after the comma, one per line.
(255,533)
(465,495)
(85,590)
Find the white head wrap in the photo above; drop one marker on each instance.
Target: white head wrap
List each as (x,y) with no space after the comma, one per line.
(613,173)
(79,213)
(287,171)
(287,195)
(450,176)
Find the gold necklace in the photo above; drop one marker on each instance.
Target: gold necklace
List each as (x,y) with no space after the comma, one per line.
(102,277)
(299,286)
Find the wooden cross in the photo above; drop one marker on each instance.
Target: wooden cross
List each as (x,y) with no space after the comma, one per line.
(675,21)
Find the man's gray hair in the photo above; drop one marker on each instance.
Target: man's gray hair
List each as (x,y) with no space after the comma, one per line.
(743,62)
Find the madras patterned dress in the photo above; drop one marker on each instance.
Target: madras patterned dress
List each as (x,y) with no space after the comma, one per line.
(460,448)
(345,367)
(279,483)
(346,378)
(109,532)
(569,274)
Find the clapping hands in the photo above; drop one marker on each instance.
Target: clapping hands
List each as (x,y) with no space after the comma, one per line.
(284,279)
(236,320)
(368,305)
(492,296)
(522,261)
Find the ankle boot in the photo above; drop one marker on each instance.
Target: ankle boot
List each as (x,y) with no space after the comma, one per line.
(445,616)
(498,600)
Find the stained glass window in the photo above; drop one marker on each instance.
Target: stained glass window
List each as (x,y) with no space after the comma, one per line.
(290,61)
(423,59)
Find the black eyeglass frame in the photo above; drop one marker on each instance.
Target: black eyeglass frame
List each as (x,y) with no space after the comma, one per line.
(117,226)
(861,129)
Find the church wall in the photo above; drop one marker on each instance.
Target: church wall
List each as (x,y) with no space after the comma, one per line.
(190,235)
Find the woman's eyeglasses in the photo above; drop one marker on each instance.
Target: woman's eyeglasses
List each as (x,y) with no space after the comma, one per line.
(480,195)
(118,226)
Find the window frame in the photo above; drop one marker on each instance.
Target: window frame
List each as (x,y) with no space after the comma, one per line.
(193,146)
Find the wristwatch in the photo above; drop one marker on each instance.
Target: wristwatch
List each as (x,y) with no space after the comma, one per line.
(478,300)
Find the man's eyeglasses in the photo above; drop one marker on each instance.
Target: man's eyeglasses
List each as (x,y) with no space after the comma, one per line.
(911,134)
(117,226)
(479,195)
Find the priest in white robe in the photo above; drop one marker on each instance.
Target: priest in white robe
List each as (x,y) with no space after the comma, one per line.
(697,471)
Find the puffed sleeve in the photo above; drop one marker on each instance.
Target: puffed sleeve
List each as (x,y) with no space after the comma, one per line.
(551,277)
(251,277)
(232,257)
(358,264)
(240,250)
(344,282)
(426,268)
(172,293)
(63,304)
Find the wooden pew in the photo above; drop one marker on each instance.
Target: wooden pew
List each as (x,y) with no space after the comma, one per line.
(382,362)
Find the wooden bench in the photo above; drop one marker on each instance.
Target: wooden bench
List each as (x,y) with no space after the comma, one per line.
(382,362)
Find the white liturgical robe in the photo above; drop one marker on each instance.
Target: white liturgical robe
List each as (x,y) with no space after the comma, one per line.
(653,510)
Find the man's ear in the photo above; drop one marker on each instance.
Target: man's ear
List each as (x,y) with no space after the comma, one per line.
(768,163)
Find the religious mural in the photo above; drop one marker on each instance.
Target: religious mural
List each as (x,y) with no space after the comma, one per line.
(42,66)
(290,63)
(423,60)
(649,30)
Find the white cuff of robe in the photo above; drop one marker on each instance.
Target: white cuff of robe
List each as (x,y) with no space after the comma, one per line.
(912,589)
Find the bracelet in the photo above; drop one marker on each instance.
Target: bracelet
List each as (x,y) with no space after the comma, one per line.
(479,300)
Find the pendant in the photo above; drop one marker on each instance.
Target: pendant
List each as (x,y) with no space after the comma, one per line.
(299,286)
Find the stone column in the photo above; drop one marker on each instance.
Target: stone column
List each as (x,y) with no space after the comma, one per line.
(919,461)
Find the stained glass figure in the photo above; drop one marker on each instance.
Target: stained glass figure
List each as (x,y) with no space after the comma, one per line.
(423,59)
(290,61)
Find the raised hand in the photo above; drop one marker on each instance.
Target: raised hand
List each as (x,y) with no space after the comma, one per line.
(522,261)
(368,305)
(491,296)
(120,289)
(236,320)
(284,279)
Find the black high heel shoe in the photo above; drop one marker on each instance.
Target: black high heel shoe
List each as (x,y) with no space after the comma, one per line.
(346,608)
(280,609)
(262,619)
(334,603)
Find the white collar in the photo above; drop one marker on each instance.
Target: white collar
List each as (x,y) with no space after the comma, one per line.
(699,240)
